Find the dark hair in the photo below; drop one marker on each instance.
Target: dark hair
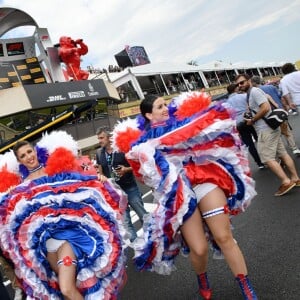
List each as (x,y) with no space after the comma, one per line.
(231,88)
(18,145)
(288,68)
(247,77)
(256,79)
(146,105)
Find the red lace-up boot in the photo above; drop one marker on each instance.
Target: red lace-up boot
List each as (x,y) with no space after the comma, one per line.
(204,288)
(246,287)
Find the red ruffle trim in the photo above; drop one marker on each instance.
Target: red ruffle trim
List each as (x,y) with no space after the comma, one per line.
(193,128)
(211,173)
(30,193)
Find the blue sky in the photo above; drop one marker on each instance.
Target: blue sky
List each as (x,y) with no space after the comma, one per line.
(173,30)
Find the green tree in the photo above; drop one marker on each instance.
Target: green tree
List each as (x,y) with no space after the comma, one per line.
(192,63)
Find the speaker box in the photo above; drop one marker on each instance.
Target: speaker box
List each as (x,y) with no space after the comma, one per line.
(123,59)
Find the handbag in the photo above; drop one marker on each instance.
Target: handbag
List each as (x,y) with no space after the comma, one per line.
(276,117)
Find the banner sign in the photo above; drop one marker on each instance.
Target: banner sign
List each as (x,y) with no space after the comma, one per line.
(65,93)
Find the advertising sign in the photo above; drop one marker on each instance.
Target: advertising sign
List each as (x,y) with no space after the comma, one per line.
(65,93)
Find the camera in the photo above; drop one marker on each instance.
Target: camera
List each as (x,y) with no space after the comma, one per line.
(247,115)
(115,174)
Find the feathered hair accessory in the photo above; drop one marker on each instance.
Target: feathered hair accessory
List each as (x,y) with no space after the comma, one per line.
(55,139)
(187,104)
(141,121)
(62,151)
(125,133)
(9,171)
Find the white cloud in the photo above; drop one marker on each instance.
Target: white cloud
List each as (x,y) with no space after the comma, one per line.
(169,30)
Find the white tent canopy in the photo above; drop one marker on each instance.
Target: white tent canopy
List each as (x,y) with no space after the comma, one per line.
(165,68)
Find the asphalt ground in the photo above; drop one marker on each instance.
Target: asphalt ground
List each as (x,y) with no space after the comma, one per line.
(268,234)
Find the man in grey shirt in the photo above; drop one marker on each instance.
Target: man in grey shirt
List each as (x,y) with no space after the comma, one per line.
(269,144)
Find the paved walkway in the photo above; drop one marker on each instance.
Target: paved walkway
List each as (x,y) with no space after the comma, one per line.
(269,236)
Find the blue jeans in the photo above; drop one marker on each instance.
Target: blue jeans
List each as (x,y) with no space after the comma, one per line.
(135,202)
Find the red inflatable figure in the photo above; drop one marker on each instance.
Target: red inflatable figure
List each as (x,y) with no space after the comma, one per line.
(70,53)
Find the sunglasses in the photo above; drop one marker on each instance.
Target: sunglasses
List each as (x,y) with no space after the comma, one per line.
(241,82)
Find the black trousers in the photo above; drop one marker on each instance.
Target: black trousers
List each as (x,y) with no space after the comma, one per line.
(3,292)
(247,133)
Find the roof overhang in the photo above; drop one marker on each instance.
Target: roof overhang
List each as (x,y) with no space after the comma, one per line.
(11,18)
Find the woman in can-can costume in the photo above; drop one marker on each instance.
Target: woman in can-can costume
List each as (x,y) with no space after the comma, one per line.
(190,154)
(59,225)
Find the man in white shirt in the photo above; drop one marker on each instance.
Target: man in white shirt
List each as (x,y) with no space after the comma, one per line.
(290,85)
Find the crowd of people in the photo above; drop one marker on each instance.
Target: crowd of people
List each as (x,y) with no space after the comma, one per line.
(271,149)
(110,69)
(65,226)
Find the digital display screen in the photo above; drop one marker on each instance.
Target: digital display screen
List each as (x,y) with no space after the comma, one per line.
(1,50)
(15,48)
(138,56)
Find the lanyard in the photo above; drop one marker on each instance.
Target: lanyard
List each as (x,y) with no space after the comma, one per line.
(110,160)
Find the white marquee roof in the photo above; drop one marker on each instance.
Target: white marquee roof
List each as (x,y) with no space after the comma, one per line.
(171,68)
